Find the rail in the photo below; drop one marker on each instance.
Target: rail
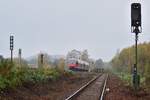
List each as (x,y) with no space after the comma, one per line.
(82,88)
(104,88)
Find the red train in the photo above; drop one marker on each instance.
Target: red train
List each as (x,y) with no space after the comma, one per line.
(77,60)
(78,65)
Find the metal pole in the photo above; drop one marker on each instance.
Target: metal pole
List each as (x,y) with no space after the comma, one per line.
(136,79)
(11,56)
(19,57)
(136,52)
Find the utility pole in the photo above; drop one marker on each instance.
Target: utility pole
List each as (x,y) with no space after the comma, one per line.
(11,46)
(136,28)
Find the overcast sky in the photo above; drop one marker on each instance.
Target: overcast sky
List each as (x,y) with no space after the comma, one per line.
(58,26)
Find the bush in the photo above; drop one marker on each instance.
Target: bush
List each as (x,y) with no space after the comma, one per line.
(12,76)
(5,67)
(125,77)
(3,82)
(37,75)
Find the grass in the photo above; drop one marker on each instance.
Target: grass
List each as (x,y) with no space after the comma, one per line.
(127,78)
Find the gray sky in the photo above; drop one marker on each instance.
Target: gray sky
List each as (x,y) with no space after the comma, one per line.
(58,26)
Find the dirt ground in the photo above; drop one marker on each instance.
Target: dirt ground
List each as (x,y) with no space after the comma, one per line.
(118,91)
(50,90)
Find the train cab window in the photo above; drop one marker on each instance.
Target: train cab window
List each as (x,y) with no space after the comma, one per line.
(77,62)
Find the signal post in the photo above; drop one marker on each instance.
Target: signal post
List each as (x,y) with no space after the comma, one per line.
(11,46)
(136,28)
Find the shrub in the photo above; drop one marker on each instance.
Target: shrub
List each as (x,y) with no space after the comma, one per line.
(12,76)
(3,82)
(5,67)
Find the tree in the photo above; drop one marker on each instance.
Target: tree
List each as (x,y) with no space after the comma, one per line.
(99,63)
(124,61)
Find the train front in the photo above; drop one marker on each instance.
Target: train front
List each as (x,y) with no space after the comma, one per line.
(75,61)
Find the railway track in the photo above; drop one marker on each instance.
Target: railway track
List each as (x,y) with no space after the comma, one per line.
(93,90)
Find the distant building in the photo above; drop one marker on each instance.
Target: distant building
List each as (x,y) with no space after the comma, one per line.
(84,55)
(77,55)
(74,54)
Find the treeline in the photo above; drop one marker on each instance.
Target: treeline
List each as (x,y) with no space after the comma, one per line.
(125,59)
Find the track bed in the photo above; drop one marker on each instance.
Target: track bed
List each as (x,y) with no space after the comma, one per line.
(90,91)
